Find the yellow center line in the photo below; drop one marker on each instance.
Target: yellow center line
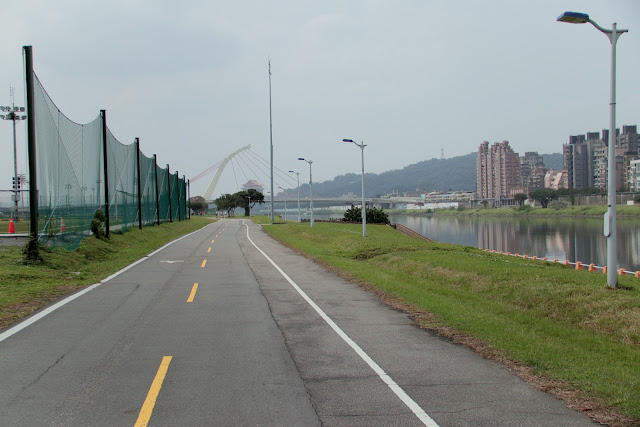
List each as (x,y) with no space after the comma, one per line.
(193,292)
(156,385)
(208,250)
(217,236)
(204,263)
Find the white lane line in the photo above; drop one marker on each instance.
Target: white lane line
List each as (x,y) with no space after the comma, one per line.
(411,404)
(33,319)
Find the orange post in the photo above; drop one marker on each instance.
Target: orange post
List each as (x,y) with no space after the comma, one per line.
(566,262)
(592,267)
(638,274)
(621,272)
(579,265)
(62,227)
(604,270)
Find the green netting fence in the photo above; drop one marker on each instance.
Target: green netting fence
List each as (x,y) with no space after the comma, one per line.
(74,181)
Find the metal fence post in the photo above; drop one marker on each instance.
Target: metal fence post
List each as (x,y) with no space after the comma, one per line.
(103,114)
(139,189)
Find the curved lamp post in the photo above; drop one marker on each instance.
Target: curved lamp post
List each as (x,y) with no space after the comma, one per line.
(310,187)
(610,217)
(364,206)
(298,180)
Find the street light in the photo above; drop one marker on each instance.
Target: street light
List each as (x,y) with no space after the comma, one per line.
(610,217)
(364,207)
(285,204)
(14,117)
(310,187)
(298,179)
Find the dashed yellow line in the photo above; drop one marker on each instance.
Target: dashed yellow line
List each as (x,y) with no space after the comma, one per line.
(192,295)
(213,240)
(150,401)
(204,263)
(208,250)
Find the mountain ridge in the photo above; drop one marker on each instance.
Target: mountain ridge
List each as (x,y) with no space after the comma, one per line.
(452,174)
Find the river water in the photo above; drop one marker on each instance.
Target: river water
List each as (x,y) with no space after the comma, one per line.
(574,239)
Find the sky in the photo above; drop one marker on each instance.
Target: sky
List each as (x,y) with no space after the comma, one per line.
(412,79)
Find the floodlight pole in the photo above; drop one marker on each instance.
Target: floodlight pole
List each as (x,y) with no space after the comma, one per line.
(610,225)
(298,180)
(13,115)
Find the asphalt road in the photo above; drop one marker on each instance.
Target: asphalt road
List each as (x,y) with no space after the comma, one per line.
(265,338)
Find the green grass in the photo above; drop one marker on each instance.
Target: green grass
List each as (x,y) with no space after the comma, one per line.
(564,324)
(25,288)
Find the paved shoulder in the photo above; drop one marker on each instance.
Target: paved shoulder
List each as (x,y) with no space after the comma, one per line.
(451,384)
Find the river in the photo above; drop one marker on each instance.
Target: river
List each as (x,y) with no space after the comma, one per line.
(573,239)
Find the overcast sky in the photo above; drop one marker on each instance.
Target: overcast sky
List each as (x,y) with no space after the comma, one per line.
(409,78)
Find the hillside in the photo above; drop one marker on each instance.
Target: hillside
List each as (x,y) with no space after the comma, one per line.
(456,173)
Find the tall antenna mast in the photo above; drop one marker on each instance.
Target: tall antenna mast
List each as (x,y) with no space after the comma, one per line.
(271,140)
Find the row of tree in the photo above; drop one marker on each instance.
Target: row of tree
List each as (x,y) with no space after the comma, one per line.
(545,195)
(247,199)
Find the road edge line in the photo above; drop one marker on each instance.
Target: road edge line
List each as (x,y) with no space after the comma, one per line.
(40,314)
(406,399)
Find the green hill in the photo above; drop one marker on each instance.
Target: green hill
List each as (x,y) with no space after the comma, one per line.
(456,173)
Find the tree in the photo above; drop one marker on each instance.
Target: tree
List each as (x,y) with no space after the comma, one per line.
(543,196)
(228,203)
(198,204)
(254,195)
(520,198)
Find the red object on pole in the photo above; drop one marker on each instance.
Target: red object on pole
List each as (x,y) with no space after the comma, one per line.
(12,229)
(62,227)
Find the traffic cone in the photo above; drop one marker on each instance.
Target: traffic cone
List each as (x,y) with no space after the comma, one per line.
(12,229)
(62,227)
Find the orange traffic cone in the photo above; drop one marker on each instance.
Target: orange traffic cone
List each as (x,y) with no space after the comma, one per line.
(62,227)
(12,229)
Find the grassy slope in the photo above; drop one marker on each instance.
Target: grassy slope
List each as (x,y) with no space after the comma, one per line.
(25,288)
(564,324)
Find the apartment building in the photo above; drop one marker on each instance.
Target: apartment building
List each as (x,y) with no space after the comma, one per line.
(586,157)
(498,173)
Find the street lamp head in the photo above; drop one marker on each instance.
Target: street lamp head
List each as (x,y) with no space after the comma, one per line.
(573,18)
(347,140)
(300,158)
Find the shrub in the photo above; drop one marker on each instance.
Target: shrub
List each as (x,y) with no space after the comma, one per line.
(374,215)
(97,224)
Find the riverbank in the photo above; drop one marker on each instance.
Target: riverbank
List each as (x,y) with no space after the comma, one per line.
(623,211)
(561,329)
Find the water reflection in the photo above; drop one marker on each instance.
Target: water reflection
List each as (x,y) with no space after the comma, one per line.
(577,239)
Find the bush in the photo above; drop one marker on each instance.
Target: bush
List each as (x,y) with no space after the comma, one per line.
(97,224)
(374,215)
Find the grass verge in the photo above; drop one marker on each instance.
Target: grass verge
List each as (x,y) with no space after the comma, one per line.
(562,329)
(26,288)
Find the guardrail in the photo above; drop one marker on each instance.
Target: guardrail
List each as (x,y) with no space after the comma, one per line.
(579,265)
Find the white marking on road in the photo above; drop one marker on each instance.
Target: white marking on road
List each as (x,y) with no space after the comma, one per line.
(406,399)
(33,319)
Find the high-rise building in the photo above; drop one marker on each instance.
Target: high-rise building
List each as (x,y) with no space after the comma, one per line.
(633,175)
(498,171)
(532,170)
